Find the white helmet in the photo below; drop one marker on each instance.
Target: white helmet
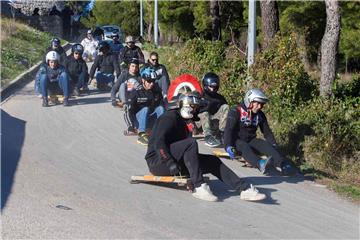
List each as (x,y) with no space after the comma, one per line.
(52,55)
(255,95)
(129,39)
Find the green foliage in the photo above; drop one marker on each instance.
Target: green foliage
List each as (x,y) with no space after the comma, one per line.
(21,50)
(177,17)
(306,18)
(280,73)
(202,22)
(350,29)
(125,14)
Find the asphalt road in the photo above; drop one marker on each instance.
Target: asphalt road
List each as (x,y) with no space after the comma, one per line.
(65,175)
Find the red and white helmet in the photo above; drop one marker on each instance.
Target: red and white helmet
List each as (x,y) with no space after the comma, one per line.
(52,55)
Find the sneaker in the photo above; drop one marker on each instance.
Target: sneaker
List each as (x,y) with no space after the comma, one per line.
(143,139)
(66,102)
(263,164)
(204,193)
(211,141)
(252,194)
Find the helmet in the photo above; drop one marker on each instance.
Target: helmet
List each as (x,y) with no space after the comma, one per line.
(256,95)
(114,35)
(134,61)
(129,39)
(188,103)
(210,80)
(55,42)
(103,45)
(89,31)
(52,55)
(77,48)
(148,73)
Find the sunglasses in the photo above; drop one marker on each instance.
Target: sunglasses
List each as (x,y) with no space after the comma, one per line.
(77,53)
(154,59)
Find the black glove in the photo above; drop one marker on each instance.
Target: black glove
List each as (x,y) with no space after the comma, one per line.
(173,167)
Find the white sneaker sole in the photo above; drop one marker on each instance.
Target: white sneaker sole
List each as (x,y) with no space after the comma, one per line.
(205,199)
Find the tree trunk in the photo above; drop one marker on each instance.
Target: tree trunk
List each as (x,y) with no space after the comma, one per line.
(215,20)
(149,35)
(269,21)
(329,45)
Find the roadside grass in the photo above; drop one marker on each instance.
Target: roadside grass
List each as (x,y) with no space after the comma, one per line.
(21,48)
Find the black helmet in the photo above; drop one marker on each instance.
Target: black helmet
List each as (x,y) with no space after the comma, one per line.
(103,45)
(55,42)
(210,80)
(77,48)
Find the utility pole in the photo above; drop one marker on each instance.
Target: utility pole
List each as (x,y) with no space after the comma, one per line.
(141,19)
(251,32)
(156,42)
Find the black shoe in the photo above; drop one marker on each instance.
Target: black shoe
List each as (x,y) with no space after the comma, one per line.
(143,139)
(287,169)
(45,102)
(66,102)
(211,141)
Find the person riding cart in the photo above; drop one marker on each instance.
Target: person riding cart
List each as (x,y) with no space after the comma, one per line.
(77,69)
(130,51)
(53,77)
(215,109)
(172,150)
(106,64)
(240,135)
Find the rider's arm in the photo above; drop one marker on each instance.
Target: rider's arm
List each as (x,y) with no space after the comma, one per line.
(115,88)
(165,128)
(231,123)
(265,129)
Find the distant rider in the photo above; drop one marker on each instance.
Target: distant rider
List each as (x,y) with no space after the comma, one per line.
(215,109)
(172,150)
(144,103)
(77,69)
(240,134)
(129,52)
(106,64)
(162,80)
(53,76)
(55,45)
(121,82)
(116,45)
(90,45)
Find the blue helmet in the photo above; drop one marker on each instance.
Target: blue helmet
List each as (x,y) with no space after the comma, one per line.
(77,48)
(55,42)
(148,73)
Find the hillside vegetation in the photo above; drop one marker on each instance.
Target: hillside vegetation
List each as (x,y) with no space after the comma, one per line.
(21,48)
(321,136)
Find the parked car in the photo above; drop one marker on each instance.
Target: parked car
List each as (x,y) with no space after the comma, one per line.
(109,30)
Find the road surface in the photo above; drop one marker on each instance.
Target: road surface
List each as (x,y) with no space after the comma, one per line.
(66,170)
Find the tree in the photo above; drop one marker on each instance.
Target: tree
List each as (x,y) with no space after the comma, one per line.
(215,20)
(269,20)
(329,45)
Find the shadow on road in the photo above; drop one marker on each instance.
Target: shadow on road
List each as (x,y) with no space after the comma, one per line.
(12,139)
(83,101)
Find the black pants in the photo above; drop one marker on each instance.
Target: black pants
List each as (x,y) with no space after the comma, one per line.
(186,153)
(261,146)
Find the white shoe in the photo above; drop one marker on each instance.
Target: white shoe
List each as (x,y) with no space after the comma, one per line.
(252,194)
(39,95)
(204,193)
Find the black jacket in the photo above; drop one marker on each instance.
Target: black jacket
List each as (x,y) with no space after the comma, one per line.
(76,67)
(168,128)
(245,127)
(139,98)
(107,63)
(126,54)
(213,102)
